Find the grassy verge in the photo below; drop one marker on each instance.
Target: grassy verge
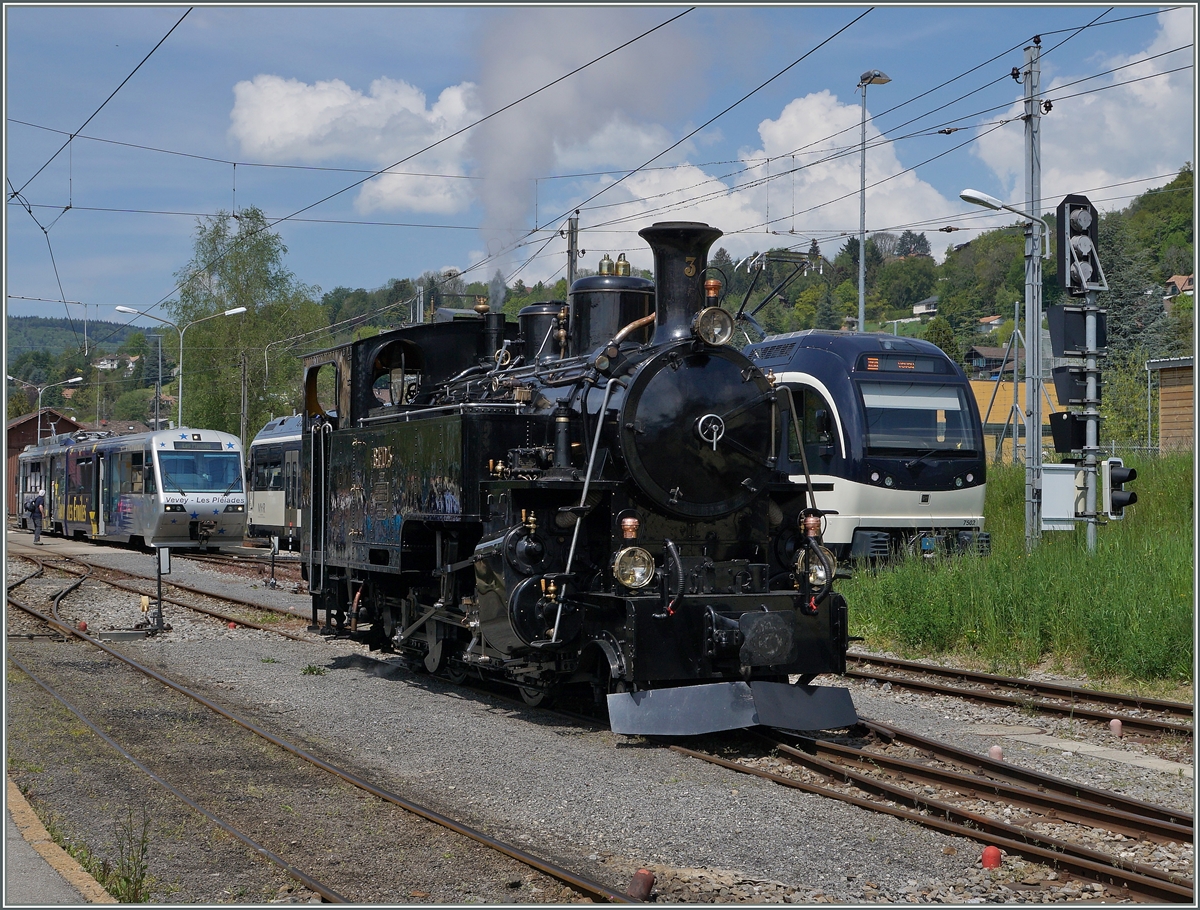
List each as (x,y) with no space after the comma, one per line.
(1125,610)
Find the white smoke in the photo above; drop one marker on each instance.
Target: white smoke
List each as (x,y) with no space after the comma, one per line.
(602,117)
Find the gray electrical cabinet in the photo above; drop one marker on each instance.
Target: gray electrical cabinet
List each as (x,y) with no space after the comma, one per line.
(1062,496)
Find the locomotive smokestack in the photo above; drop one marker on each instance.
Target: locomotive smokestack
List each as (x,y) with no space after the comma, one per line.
(680,258)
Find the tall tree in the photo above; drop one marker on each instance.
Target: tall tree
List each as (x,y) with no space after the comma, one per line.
(239,262)
(939,332)
(1136,317)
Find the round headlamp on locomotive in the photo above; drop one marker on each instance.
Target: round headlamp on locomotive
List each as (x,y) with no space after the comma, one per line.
(588,499)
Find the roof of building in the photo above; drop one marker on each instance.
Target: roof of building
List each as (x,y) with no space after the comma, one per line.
(49,415)
(1168,363)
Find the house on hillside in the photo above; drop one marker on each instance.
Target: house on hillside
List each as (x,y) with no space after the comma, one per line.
(926,307)
(1176,285)
(988,323)
(984,361)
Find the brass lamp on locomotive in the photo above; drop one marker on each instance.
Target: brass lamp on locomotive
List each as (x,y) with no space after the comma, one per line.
(590,496)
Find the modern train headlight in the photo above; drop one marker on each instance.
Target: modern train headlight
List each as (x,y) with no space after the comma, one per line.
(174,507)
(713,325)
(233,508)
(634,567)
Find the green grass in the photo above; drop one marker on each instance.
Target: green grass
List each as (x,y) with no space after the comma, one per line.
(1124,610)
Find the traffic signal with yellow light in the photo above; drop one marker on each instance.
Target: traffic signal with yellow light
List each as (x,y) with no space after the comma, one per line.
(1114,498)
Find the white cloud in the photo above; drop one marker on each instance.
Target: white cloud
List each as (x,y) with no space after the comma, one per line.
(1125,132)
(281,119)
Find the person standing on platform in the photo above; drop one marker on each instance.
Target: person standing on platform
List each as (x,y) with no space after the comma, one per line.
(37,511)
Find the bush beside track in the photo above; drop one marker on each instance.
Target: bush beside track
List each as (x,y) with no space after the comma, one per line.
(1123,611)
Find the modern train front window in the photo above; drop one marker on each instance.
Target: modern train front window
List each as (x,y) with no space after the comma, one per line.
(918,417)
(200,472)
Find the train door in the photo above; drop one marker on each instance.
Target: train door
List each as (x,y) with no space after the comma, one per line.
(81,494)
(104,471)
(291,490)
(56,491)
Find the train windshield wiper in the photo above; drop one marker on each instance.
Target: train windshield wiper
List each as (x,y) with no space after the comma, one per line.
(916,461)
(168,479)
(236,481)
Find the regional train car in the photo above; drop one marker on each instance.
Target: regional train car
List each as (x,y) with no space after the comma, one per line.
(171,488)
(892,439)
(273,475)
(589,499)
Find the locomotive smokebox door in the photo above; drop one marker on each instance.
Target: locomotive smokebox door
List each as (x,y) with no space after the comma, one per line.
(701,410)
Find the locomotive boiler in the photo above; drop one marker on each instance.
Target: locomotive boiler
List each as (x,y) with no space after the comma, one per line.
(590,497)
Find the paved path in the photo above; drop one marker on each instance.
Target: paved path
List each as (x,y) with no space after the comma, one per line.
(38,872)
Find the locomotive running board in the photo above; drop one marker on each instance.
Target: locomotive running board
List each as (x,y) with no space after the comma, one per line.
(692,710)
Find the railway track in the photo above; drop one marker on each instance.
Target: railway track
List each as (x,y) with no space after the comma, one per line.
(135,583)
(1152,716)
(580,884)
(992,802)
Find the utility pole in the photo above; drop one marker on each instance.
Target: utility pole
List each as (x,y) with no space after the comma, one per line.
(242,434)
(572,248)
(1033,296)
(158,383)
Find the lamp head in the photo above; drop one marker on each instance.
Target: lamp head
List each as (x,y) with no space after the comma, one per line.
(873,77)
(234,311)
(76,379)
(128,309)
(977,198)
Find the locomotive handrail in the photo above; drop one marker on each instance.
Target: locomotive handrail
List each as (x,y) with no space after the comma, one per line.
(587,480)
(461,406)
(323,427)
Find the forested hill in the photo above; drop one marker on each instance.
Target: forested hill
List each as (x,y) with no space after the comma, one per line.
(36,333)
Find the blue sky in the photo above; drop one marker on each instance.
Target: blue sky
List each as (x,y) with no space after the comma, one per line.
(329,95)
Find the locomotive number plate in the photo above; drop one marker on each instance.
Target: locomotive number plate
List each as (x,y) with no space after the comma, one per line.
(381,457)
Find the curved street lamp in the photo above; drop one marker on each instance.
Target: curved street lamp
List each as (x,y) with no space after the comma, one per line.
(40,389)
(130,310)
(1033,355)
(870,77)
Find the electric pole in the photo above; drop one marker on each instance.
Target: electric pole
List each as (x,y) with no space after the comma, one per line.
(1033,296)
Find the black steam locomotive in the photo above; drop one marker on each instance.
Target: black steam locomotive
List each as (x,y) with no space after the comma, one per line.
(596,495)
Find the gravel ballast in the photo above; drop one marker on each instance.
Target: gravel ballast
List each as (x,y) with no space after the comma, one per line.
(605,804)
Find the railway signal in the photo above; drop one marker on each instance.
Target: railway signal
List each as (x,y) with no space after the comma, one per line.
(1114,498)
(1079,331)
(1079,268)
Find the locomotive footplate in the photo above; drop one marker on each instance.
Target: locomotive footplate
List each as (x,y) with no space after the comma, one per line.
(708,708)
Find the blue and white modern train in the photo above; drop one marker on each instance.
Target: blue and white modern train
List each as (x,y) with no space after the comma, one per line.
(273,473)
(892,438)
(172,488)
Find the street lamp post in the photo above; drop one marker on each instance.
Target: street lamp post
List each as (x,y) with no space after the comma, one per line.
(870,77)
(40,389)
(130,310)
(1035,251)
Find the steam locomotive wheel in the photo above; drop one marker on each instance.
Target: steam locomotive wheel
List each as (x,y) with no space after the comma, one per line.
(536,698)
(456,674)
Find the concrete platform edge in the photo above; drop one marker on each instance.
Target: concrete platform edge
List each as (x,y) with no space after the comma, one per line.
(60,861)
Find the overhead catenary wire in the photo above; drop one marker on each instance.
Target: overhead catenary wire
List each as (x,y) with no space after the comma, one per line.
(108,99)
(239,238)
